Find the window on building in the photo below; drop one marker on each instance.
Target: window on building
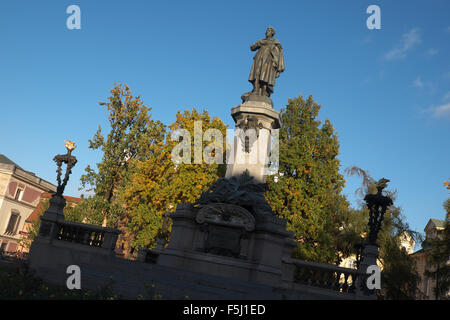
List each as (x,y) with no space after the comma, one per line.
(18,194)
(3,246)
(13,224)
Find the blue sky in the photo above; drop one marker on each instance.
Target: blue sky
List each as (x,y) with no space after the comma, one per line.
(386,92)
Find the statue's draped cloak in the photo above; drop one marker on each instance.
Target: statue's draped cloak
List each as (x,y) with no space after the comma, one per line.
(268,62)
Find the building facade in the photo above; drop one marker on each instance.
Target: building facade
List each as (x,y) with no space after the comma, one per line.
(20,193)
(421,259)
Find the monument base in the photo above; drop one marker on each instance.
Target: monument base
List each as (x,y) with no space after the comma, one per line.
(233,243)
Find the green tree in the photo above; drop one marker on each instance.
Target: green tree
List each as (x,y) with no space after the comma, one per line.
(399,278)
(159,183)
(132,133)
(306,191)
(88,210)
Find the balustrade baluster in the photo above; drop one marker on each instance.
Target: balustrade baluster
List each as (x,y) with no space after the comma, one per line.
(310,278)
(345,286)
(329,280)
(64,233)
(354,281)
(85,237)
(91,238)
(322,277)
(317,277)
(337,285)
(307,274)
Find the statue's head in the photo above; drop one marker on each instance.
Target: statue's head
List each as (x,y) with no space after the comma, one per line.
(270,31)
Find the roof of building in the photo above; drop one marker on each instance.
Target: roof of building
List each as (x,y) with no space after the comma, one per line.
(434,224)
(45,196)
(31,176)
(4,159)
(438,223)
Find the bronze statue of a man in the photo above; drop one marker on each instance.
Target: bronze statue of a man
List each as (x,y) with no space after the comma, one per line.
(268,63)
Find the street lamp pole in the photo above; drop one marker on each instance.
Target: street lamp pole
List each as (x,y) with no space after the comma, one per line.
(377,204)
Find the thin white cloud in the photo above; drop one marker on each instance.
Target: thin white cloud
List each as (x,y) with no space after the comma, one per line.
(424,85)
(432,52)
(447,29)
(407,42)
(442,111)
(418,83)
(446,97)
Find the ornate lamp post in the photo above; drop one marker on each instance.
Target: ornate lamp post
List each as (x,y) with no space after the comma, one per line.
(57,202)
(377,205)
(70,161)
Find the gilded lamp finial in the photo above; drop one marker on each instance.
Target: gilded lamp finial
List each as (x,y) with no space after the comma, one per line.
(70,145)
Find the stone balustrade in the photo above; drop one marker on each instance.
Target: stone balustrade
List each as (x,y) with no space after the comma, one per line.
(76,233)
(324,276)
(86,234)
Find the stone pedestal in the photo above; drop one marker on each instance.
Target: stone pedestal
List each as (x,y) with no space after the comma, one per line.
(55,211)
(53,215)
(235,243)
(255,121)
(370,256)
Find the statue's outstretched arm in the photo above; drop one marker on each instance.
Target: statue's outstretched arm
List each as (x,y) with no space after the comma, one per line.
(255,46)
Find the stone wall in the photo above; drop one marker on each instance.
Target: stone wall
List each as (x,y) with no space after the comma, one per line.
(131,279)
